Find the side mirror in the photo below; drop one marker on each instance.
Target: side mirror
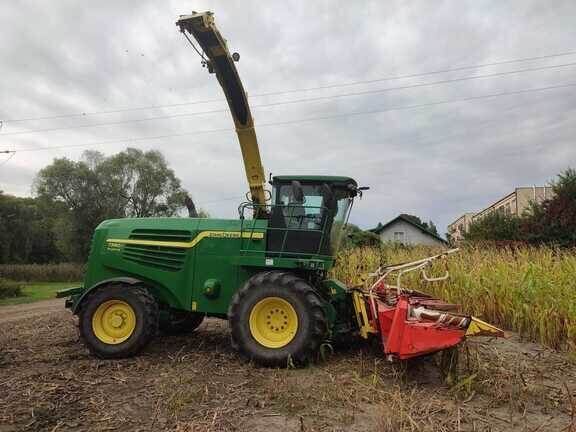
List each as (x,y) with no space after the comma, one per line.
(297,192)
(357,191)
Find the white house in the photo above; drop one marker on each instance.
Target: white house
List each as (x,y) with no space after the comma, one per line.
(403,230)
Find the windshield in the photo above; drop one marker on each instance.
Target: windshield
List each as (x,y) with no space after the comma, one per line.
(306,215)
(315,217)
(344,206)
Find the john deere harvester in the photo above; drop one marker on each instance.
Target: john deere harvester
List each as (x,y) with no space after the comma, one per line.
(265,272)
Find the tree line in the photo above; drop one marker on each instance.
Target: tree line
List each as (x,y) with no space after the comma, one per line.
(73,197)
(551,222)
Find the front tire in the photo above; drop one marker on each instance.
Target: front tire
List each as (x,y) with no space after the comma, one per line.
(275,318)
(118,320)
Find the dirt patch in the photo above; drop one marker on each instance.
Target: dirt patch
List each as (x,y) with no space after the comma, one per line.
(18,312)
(197,383)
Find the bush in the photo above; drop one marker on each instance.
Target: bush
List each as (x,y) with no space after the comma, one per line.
(548,223)
(356,237)
(497,226)
(66,272)
(553,221)
(9,288)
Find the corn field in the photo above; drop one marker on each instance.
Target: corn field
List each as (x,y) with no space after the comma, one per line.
(64,272)
(531,291)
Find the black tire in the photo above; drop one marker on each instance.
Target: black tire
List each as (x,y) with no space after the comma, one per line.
(180,322)
(146,313)
(312,324)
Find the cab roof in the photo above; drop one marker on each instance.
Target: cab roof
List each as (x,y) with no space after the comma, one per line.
(315,178)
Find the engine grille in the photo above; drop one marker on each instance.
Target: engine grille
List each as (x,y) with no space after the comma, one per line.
(160,257)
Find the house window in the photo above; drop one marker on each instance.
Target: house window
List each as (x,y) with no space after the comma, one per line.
(399,236)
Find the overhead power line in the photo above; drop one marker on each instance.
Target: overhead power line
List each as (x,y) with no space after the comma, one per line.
(310,119)
(5,161)
(416,75)
(304,89)
(294,101)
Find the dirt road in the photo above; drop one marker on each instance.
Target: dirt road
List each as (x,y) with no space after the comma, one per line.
(22,311)
(48,382)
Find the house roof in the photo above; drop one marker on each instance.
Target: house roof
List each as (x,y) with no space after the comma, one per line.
(494,204)
(403,218)
(463,216)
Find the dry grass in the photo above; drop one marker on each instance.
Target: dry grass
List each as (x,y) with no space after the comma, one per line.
(64,272)
(531,291)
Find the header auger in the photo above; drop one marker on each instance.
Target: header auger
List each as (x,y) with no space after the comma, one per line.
(265,272)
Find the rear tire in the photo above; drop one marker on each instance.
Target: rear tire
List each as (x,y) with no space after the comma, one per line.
(277,318)
(118,320)
(180,322)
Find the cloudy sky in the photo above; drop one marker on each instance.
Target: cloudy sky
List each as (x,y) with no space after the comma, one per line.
(419,156)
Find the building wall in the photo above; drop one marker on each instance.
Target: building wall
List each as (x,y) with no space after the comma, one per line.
(412,235)
(526,195)
(518,201)
(460,226)
(515,203)
(506,205)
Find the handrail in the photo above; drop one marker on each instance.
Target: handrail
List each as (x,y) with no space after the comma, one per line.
(321,230)
(384,272)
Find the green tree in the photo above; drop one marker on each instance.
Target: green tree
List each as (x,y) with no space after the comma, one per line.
(429,226)
(495,226)
(141,184)
(131,183)
(356,237)
(78,187)
(25,231)
(554,220)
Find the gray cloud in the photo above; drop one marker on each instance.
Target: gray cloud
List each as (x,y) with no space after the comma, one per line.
(435,162)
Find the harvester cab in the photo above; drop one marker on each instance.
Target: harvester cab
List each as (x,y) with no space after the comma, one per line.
(266,272)
(308,214)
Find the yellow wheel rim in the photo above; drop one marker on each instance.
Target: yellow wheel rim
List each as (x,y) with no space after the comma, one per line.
(273,322)
(113,322)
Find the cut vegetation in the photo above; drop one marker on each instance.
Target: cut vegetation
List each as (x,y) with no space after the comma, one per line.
(198,383)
